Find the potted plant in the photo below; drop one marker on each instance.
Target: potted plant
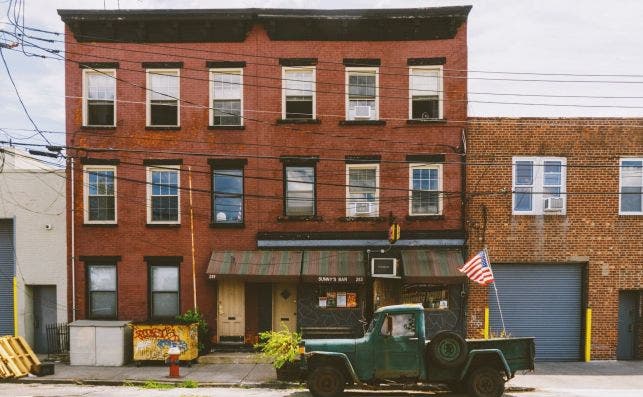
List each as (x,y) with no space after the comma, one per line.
(282,348)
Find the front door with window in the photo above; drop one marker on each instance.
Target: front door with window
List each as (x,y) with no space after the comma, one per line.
(398,351)
(231,319)
(284,306)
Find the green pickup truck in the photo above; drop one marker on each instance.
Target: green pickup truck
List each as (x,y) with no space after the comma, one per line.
(395,350)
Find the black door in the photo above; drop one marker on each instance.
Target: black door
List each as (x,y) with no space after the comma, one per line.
(265,306)
(628,317)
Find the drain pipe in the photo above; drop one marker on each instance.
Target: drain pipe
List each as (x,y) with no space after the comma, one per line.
(73,246)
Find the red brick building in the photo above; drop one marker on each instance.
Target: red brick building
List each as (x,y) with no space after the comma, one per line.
(280,144)
(557,202)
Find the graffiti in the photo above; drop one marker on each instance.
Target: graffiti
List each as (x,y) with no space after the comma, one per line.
(168,332)
(152,342)
(163,343)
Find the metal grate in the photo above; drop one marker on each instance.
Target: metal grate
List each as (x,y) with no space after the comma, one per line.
(57,338)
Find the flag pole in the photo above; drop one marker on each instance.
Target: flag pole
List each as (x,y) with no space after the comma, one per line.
(502,319)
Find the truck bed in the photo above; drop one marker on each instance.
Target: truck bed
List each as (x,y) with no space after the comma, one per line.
(519,352)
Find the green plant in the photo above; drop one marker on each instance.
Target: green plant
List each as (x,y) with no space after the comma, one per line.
(281,346)
(189,384)
(195,316)
(152,384)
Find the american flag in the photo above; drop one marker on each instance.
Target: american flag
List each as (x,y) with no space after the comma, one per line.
(478,269)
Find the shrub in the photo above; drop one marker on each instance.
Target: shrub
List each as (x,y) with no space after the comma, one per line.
(281,346)
(195,316)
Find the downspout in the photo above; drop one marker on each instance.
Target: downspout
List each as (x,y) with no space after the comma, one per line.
(73,251)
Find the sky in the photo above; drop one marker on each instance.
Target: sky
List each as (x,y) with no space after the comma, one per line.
(580,41)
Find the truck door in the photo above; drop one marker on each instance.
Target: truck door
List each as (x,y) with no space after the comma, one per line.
(397,355)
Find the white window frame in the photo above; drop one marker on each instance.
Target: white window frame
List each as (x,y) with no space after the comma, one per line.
(86,72)
(213,71)
(376,166)
(86,170)
(620,185)
(538,164)
(369,70)
(439,68)
(426,166)
(148,172)
(285,69)
(148,97)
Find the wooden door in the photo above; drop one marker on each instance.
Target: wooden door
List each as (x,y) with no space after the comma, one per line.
(231,320)
(284,311)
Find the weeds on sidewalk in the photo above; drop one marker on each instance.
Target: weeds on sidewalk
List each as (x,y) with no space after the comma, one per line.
(152,384)
(189,384)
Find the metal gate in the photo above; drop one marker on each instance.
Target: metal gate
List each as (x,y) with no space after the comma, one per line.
(543,301)
(6,276)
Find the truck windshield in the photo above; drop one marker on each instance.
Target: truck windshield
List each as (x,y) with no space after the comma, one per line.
(371,326)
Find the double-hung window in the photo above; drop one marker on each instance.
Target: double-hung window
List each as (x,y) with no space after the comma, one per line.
(362,93)
(362,190)
(631,202)
(300,190)
(425,185)
(227,196)
(101,291)
(164,291)
(226,97)
(539,185)
(100,194)
(298,92)
(163,97)
(99,97)
(163,183)
(425,88)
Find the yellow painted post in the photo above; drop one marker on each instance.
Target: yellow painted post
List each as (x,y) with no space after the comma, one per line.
(15,306)
(486,323)
(588,335)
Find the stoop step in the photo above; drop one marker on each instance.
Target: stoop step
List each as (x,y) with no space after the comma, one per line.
(233,358)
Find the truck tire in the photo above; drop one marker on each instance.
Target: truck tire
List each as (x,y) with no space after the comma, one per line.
(326,381)
(485,382)
(447,350)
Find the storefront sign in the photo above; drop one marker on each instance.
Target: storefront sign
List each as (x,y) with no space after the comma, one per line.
(340,279)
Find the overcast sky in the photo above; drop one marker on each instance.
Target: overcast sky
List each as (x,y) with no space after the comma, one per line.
(589,37)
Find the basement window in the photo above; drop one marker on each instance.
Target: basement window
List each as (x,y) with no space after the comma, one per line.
(163,97)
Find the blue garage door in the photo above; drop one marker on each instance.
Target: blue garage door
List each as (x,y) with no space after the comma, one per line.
(6,276)
(543,301)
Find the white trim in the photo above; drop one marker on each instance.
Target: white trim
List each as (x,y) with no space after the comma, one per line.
(538,167)
(620,185)
(427,166)
(363,70)
(85,94)
(285,69)
(441,92)
(148,178)
(86,170)
(148,97)
(376,166)
(212,72)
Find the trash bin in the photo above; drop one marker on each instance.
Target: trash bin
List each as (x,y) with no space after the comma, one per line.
(98,342)
(151,341)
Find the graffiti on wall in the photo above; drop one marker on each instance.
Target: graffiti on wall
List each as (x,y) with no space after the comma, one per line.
(152,342)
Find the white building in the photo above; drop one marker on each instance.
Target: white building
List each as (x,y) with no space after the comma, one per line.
(33,246)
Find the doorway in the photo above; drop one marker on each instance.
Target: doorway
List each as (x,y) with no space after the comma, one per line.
(44,313)
(231,311)
(284,300)
(628,321)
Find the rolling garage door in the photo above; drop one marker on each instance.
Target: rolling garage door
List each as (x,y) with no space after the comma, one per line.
(543,301)
(6,277)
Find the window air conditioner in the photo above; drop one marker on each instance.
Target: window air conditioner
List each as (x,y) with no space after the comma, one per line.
(384,267)
(554,204)
(363,208)
(362,112)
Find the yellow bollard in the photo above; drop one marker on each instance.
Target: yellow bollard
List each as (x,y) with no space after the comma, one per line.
(486,323)
(588,335)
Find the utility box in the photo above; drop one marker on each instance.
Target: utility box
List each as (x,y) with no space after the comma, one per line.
(151,341)
(100,343)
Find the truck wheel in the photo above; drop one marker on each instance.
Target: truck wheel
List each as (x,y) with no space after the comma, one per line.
(447,349)
(326,382)
(485,382)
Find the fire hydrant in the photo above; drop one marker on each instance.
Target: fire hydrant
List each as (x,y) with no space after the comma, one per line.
(174,353)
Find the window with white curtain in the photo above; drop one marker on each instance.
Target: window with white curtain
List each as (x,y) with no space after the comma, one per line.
(163,97)
(425,87)
(298,93)
(226,97)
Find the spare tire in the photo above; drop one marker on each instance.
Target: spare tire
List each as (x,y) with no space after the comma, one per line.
(447,350)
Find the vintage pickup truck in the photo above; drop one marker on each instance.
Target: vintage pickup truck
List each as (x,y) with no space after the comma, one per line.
(395,350)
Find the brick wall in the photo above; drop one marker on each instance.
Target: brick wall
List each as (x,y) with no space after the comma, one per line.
(592,231)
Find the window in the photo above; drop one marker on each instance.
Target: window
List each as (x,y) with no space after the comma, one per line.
(100,194)
(228,195)
(163,194)
(99,97)
(425,187)
(226,97)
(164,291)
(338,297)
(631,186)
(362,192)
(163,97)
(539,185)
(298,100)
(362,94)
(425,86)
(101,282)
(300,191)
(403,325)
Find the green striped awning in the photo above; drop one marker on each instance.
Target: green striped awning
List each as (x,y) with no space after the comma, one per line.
(432,265)
(333,266)
(255,264)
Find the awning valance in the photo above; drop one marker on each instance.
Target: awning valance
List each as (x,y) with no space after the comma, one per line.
(333,266)
(438,265)
(255,264)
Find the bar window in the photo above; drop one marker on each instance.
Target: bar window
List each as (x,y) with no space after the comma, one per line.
(425,187)
(163,194)
(164,291)
(99,98)
(330,297)
(163,98)
(362,190)
(100,197)
(298,93)
(300,191)
(631,197)
(361,94)
(227,97)
(102,291)
(228,195)
(425,93)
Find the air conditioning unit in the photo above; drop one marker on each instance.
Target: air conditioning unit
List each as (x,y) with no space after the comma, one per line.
(363,208)
(554,204)
(362,112)
(384,267)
